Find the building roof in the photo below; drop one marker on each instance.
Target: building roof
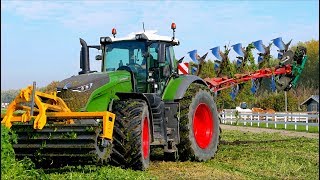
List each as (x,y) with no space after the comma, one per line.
(314,97)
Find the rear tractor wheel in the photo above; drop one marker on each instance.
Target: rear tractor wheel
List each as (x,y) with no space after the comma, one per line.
(131,135)
(199,125)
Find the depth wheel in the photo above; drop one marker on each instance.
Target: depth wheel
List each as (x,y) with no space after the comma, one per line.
(283,83)
(199,125)
(131,136)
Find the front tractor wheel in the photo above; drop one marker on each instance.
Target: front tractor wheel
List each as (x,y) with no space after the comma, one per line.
(131,135)
(199,127)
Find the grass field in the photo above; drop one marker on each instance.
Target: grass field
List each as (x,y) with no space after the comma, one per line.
(240,156)
(290,127)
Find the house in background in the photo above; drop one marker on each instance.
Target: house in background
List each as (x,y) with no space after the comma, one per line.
(312,103)
(4,105)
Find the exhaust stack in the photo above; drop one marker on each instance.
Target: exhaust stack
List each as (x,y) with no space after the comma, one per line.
(84,58)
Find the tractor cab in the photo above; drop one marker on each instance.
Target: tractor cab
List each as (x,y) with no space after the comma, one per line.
(147,56)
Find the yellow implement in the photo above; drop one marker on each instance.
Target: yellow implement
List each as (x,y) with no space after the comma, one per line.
(49,107)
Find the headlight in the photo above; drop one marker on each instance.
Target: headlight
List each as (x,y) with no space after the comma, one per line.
(105,40)
(83,88)
(102,40)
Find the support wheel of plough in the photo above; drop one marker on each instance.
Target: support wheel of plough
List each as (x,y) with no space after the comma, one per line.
(199,125)
(283,83)
(131,135)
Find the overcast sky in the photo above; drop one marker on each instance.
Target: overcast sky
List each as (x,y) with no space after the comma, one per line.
(40,39)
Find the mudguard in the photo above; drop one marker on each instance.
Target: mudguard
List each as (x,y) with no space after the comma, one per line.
(177,87)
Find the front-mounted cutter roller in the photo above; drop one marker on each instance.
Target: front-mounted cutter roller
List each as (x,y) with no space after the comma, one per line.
(48,109)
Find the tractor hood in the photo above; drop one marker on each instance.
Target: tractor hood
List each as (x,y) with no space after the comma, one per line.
(76,90)
(94,91)
(84,82)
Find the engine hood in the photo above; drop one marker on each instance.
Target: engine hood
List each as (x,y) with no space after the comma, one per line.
(84,82)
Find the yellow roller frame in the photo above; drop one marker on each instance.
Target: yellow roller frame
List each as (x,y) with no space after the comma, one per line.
(58,110)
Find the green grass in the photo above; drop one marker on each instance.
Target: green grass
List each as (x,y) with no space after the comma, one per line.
(267,156)
(241,155)
(17,112)
(290,127)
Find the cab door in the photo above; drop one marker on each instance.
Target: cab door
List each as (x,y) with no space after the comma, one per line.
(166,66)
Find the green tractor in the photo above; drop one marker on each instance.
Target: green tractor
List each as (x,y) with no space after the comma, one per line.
(154,106)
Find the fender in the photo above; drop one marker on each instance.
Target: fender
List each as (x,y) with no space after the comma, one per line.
(138,96)
(177,87)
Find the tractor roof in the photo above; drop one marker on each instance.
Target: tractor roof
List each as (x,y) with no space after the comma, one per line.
(151,35)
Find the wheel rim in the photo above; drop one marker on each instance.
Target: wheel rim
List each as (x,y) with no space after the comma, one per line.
(203,125)
(145,138)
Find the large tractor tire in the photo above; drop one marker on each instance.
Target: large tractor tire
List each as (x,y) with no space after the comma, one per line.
(199,125)
(131,135)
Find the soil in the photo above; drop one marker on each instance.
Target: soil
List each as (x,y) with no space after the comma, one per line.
(259,130)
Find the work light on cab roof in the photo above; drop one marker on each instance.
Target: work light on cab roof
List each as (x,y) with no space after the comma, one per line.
(114,32)
(173,27)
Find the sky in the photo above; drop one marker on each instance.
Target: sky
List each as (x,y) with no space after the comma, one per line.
(40,39)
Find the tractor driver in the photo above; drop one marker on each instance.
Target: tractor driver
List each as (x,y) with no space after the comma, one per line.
(144,61)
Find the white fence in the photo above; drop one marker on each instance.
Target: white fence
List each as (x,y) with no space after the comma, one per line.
(231,116)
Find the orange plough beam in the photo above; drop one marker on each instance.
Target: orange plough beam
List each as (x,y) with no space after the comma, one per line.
(51,107)
(218,84)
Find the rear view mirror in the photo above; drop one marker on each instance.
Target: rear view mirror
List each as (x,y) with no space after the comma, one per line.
(98,57)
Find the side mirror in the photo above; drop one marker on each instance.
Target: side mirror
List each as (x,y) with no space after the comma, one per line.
(98,57)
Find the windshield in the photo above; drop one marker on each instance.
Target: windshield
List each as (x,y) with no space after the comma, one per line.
(124,53)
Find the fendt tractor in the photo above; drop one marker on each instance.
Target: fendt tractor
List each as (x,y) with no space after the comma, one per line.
(137,101)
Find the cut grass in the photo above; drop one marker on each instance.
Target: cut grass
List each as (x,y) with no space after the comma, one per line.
(245,155)
(268,156)
(241,155)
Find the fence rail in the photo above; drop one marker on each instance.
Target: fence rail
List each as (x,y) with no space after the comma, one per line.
(231,116)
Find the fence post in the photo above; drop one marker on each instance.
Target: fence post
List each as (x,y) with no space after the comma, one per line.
(267,124)
(251,120)
(295,123)
(307,128)
(223,116)
(275,123)
(285,121)
(231,117)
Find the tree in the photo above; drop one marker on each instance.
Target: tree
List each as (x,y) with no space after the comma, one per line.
(310,74)
(8,95)
(207,69)
(52,87)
